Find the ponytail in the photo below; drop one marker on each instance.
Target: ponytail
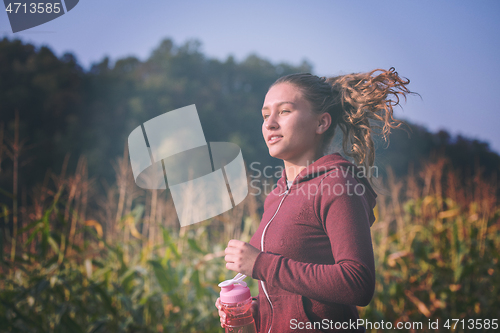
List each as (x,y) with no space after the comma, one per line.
(358,103)
(364,97)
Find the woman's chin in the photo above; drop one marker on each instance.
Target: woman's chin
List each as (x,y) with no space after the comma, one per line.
(273,152)
(276,153)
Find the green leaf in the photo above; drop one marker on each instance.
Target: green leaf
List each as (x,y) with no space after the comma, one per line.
(195,279)
(194,246)
(8,194)
(53,244)
(162,276)
(70,324)
(1,245)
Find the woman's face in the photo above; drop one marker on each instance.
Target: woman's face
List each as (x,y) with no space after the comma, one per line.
(290,127)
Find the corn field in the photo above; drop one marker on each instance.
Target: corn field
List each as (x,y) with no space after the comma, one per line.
(75,260)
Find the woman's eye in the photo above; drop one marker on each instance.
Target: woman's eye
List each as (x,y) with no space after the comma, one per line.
(265,116)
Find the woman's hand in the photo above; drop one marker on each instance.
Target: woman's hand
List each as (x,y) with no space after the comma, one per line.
(254,310)
(240,256)
(222,314)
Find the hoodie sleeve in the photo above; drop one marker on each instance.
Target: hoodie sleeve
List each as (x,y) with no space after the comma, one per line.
(351,280)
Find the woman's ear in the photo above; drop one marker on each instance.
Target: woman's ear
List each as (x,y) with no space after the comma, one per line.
(324,122)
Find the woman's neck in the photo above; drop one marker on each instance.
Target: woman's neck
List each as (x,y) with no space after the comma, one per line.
(293,168)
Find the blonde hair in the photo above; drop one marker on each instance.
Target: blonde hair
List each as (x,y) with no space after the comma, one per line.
(356,102)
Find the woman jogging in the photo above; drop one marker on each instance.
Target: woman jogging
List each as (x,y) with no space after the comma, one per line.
(312,252)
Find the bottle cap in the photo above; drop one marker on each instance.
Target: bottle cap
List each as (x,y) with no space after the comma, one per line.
(235,293)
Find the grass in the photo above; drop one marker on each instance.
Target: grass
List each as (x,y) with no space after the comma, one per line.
(84,262)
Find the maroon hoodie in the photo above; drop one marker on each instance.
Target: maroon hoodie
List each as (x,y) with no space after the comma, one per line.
(317,262)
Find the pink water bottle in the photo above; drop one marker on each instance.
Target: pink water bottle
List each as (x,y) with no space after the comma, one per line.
(236,302)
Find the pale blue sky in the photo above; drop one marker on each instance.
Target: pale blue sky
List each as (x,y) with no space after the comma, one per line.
(450,50)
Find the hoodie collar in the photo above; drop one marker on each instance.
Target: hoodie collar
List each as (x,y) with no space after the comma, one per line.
(321,166)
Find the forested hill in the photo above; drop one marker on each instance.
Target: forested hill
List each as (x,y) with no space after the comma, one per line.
(65,109)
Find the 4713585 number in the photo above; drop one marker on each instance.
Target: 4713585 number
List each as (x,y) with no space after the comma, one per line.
(472,324)
(40,8)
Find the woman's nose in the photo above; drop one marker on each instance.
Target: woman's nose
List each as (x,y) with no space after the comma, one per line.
(271,123)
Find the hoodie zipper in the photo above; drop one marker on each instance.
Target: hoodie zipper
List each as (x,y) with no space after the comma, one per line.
(262,248)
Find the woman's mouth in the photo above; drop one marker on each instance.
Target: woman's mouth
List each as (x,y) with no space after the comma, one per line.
(274,139)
